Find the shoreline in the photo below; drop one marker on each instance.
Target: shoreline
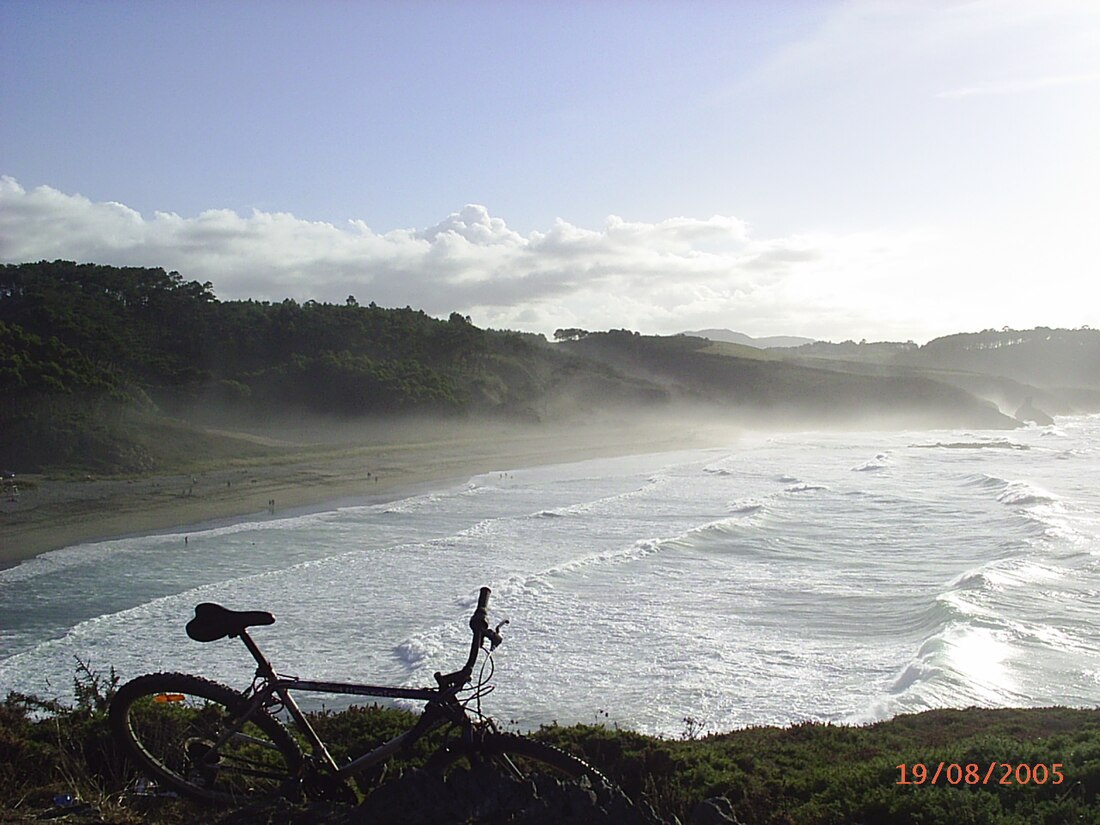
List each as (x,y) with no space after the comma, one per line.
(55,513)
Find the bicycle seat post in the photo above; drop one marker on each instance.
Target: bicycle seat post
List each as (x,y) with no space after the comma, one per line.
(264,667)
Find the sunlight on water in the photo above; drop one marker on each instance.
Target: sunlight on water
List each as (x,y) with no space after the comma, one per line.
(842,577)
(980,657)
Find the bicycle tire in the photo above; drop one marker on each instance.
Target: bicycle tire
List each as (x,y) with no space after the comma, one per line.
(502,777)
(168,722)
(520,756)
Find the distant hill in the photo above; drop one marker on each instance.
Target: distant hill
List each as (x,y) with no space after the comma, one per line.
(777,392)
(730,337)
(1041,357)
(877,352)
(1044,357)
(1058,368)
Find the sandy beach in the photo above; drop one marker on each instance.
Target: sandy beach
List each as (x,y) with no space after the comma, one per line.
(54,512)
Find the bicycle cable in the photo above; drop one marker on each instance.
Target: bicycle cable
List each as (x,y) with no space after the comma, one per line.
(482,687)
(274,703)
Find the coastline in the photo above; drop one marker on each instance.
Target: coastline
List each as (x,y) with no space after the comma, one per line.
(53,513)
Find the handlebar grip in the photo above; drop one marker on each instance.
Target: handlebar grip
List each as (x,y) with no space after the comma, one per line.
(480,621)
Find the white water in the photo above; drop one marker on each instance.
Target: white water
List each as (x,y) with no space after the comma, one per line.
(841,577)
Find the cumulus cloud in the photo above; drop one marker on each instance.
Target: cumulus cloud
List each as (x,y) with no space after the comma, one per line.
(665,276)
(474,224)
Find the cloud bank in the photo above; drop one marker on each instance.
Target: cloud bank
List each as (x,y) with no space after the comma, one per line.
(662,277)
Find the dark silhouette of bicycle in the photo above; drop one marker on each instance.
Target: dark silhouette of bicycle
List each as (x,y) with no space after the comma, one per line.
(213,743)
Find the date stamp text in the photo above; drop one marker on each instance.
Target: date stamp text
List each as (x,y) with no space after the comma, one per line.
(995,773)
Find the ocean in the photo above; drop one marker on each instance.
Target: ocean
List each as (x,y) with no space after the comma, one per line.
(843,577)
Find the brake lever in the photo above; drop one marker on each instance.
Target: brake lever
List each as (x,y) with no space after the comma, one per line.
(494,636)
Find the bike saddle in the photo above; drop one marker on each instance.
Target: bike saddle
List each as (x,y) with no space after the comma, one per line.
(213,622)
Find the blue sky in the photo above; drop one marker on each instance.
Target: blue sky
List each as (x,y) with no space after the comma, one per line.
(880,170)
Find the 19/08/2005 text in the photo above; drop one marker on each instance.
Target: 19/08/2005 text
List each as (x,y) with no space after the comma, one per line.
(996,773)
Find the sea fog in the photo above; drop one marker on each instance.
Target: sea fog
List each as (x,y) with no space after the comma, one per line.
(845,577)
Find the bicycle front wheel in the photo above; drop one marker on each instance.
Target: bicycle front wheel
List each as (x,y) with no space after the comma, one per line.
(517,756)
(501,777)
(191,735)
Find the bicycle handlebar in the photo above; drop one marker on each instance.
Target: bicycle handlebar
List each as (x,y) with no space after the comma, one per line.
(479,622)
(479,625)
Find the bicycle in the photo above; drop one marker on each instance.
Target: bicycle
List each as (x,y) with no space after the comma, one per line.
(215,744)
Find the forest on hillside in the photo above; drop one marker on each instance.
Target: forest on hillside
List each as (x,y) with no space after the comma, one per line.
(80,328)
(82,345)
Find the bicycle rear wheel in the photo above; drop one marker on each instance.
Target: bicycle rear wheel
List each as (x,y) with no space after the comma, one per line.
(171,724)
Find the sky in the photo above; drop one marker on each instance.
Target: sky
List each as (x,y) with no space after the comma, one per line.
(836,170)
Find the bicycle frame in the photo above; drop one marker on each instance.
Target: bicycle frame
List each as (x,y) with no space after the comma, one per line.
(441,708)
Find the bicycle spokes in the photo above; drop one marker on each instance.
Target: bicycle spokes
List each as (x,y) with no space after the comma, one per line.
(208,746)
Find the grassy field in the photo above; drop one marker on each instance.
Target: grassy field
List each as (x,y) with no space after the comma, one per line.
(1029,766)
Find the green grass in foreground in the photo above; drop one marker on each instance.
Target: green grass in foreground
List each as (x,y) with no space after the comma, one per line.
(807,773)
